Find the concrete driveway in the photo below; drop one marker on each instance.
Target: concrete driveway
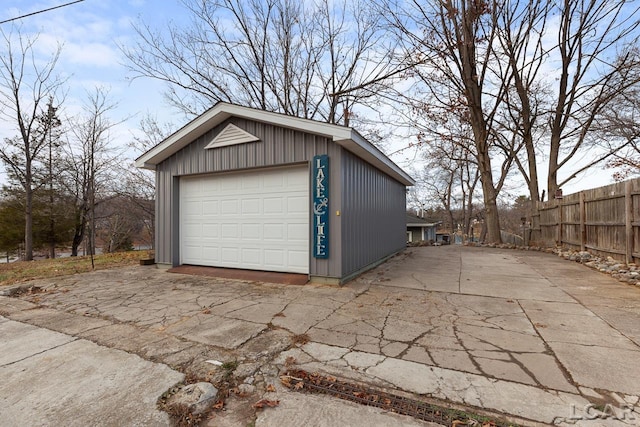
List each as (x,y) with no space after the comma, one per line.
(525,334)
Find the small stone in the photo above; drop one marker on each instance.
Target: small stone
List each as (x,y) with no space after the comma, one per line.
(246,370)
(198,397)
(246,389)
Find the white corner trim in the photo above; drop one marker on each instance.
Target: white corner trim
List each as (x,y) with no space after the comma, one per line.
(231,135)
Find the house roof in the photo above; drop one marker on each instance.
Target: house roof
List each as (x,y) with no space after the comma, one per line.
(346,137)
(416,221)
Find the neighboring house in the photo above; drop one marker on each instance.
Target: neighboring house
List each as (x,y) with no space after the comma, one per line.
(244,188)
(420,229)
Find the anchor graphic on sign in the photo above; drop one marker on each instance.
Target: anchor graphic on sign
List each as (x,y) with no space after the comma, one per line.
(320,206)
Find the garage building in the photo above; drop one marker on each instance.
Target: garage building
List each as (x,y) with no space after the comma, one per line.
(249,189)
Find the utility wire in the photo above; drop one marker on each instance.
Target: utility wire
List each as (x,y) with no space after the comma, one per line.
(40,11)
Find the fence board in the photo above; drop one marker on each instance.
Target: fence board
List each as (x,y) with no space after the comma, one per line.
(604,220)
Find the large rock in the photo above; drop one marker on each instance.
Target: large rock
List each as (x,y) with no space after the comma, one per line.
(198,397)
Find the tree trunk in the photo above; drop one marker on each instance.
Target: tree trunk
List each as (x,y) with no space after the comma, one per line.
(534,189)
(552,178)
(491,218)
(28,216)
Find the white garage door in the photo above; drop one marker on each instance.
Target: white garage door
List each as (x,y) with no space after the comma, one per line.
(256,220)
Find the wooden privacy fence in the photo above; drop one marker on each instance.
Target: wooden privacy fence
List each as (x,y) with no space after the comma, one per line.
(604,220)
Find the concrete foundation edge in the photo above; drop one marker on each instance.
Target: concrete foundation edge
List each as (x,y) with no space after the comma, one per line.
(337,281)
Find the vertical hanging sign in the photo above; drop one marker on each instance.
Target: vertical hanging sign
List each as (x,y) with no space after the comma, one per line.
(321,206)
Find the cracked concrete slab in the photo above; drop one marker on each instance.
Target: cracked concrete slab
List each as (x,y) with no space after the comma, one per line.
(324,411)
(601,367)
(216,330)
(497,325)
(59,380)
(20,340)
(476,390)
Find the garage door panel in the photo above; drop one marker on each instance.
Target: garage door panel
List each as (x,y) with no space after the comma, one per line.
(251,207)
(210,253)
(209,231)
(273,205)
(210,207)
(273,257)
(251,232)
(250,182)
(273,232)
(227,185)
(192,230)
(298,259)
(193,208)
(255,220)
(229,231)
(273,182)
(229,207)
(252,257)
(230,254)
(297,232)
(297,205)
(192,252)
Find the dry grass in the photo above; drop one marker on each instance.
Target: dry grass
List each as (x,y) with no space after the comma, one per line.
(22,271)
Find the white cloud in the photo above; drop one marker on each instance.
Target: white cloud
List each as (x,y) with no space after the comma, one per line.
(91,54)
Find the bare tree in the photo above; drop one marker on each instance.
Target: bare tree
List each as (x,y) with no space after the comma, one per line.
(619,129)
(521,45)
(590,79)
(454,43)
(138,185)
(26,85)
(91,164)
(299,58)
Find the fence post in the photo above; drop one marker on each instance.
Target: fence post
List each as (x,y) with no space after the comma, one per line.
(628,216)
(559,231)
(583,220)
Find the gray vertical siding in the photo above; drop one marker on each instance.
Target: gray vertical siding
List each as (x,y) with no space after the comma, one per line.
(373,214)
(278,146)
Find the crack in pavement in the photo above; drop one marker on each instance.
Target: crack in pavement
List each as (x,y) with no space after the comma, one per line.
(41,352)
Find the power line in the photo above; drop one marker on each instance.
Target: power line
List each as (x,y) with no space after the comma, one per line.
(40,11)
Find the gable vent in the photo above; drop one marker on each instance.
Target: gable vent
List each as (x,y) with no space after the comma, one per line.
(232,135)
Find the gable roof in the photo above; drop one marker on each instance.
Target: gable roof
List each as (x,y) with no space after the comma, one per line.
(416,221)
(346,137)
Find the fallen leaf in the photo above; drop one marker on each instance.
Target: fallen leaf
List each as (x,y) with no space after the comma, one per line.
(290,360)
(539,325)
(299,385)
(219,405)
(262,403)
(206,311)
(286,381)
(456,423)
(281,314)
(271,388)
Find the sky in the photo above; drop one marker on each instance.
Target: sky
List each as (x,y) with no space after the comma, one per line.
(91,32)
